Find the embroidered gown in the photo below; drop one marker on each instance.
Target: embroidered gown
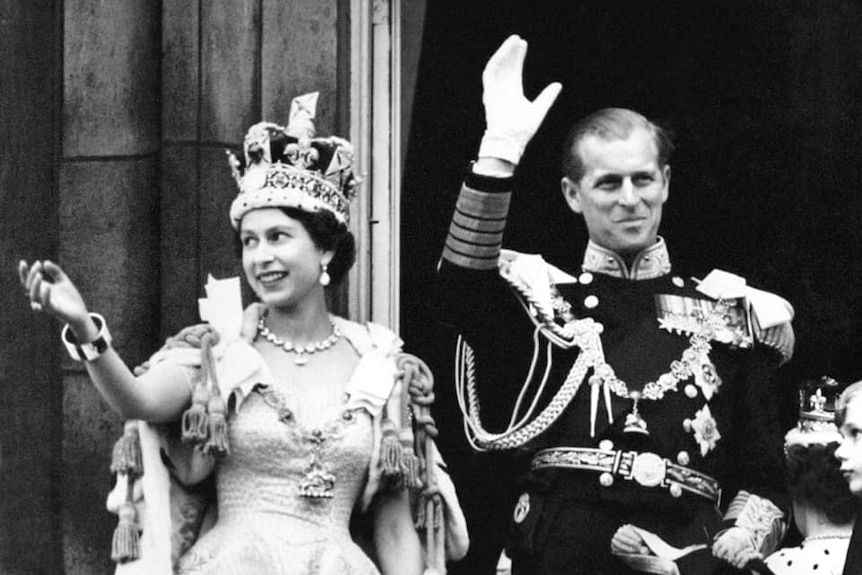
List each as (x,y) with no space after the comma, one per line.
(285,445)
(264,525)
(300,464)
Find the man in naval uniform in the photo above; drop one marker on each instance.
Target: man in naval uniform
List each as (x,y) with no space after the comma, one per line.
(643,401)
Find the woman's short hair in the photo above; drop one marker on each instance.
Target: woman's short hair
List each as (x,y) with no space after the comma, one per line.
(327,233)
(814,477)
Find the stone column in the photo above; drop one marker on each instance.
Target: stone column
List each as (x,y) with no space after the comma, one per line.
(31,396)
(226,66)
(109,237)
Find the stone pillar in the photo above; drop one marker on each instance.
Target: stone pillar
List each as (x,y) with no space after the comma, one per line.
(115,118)
(30,419)
(109,237)
(225,67)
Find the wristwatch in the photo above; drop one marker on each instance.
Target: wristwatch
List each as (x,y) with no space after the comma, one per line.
(90,350)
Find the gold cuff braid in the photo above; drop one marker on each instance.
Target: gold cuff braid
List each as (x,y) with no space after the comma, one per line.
(476,231)
(762,518)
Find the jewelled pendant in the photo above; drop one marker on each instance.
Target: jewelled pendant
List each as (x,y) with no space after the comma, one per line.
(634,422)
(301,358)
(318,482)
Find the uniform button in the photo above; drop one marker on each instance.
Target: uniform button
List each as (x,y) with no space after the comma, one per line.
(683,458)
(675,490)
(606,479)
(606,445)
(686,424)
(690,391)
(586,278)
(678,281)
(591,301)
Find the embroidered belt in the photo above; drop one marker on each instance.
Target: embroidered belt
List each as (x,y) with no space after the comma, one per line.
(647,469)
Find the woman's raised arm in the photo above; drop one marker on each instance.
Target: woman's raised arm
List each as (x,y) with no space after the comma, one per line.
(166,392)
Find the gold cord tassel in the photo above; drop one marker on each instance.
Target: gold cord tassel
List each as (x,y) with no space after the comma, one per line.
(217,440)
(410,468)
(438,511)
(126,456)
(391,452)
(418,460)
(217,444)
(127,463)
(421,515)
(126,543)
(195,420)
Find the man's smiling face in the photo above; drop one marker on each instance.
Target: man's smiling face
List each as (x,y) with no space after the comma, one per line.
(622,191)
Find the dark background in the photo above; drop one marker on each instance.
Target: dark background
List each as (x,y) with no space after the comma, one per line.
(765,100)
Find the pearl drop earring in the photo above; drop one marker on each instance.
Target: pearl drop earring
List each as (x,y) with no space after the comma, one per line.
(324,275)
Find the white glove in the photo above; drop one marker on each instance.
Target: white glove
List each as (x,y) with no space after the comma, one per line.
(736,547)
(627,541)
(511,119)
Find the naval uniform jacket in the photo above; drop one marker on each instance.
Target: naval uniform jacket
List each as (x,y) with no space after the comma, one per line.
(743,456)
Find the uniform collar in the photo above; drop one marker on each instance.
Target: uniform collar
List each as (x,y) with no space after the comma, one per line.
(651,263)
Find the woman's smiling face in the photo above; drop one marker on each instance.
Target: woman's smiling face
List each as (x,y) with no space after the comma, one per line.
(279,257)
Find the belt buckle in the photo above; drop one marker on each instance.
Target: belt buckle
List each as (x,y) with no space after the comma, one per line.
(648,469)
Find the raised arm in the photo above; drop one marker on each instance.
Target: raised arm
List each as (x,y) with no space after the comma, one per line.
(476,232)
(166,393)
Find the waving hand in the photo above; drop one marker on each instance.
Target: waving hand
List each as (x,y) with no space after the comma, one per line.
(511,119)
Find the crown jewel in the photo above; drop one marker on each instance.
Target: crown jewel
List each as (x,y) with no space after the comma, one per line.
(287,166)
(816,414)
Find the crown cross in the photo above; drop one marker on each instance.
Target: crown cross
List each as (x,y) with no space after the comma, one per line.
(301,156)
(817,400)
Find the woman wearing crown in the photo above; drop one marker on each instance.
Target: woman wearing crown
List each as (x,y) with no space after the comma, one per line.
(824,508)
(306,424)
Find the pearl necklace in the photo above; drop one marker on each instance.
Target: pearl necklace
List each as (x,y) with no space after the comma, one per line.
(827,536)
(302,351)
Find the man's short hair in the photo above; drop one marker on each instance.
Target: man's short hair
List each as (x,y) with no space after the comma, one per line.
(611,124)
(843,400)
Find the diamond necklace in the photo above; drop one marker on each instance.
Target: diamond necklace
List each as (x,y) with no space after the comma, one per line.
(302,351)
